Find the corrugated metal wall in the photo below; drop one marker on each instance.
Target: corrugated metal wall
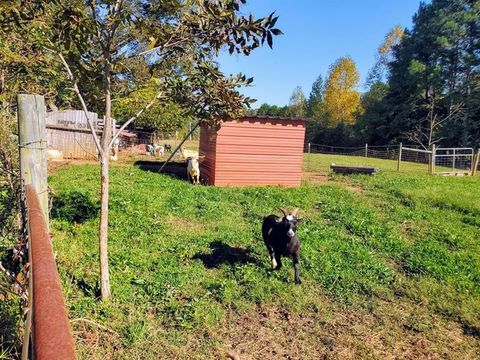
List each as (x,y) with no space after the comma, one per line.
(256,151)
(208,142)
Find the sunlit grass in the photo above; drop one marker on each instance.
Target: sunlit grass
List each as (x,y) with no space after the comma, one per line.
(186,260)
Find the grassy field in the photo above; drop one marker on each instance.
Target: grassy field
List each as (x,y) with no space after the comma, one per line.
(390,266)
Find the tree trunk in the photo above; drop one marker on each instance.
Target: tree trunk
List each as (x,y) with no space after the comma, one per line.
(106,136)
(104,274)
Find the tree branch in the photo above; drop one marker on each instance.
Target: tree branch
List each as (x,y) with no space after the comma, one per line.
(165,45)
(135,117)
(82,101)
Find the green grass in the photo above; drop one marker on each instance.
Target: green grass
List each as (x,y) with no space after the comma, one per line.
(395,255)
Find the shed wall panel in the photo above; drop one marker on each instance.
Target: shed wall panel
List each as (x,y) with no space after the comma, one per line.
(254,151)
(208,138)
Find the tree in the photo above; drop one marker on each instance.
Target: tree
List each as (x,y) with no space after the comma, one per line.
(315,100)
(434,74)
(385,55)
(342,100)
(271,110)
(369,127)
(162,118)
(27,67)
(297,106)
(98,42)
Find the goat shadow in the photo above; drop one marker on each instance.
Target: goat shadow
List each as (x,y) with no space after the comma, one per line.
(222,253)
(87,289)
(177,170)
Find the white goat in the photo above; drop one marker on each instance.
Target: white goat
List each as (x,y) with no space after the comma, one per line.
(188,153)
(193,170)
(158,149)
(54,155)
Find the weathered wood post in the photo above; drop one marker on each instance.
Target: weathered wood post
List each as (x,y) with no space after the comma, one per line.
(309,147)
(33,146)
(454,156)
(476,161)
(399,156)
(366,150)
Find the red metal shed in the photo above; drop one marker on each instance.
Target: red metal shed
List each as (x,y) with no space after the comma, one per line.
(260,150)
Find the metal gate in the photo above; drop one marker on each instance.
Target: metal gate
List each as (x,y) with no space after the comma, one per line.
(453,160)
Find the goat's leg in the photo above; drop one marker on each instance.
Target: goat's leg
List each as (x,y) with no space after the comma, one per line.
(278,260)
(296,266)
(272,257)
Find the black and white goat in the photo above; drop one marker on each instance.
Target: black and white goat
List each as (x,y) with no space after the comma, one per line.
(280,239)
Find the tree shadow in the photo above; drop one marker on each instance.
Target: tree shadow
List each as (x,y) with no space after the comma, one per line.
(225,254)
(176,170)
(87,289)
(73,206)
(471,330)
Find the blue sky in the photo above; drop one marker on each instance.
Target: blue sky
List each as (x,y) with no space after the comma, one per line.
(316,33)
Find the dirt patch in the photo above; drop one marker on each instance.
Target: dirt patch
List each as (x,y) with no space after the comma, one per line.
(390,331)
(316,177)
(180,224)
(53,166)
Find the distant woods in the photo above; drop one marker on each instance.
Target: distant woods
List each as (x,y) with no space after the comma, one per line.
(423,89)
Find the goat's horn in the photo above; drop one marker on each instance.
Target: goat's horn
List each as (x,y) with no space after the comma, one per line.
(294,212)
(285,212)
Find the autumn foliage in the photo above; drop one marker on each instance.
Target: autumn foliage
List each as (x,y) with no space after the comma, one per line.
(342,100)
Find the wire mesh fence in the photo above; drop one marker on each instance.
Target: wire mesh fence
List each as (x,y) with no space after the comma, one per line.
(441,160)
(453,160)
(381,152)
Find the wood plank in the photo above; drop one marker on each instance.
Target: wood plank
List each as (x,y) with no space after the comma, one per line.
(346,169)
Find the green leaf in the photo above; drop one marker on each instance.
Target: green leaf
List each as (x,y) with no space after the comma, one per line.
(276,32)
(269,39)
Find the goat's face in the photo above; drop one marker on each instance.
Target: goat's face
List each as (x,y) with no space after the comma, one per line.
(194,162)
(289,222)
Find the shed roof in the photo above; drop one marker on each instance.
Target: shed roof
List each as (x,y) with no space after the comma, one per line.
(282,118)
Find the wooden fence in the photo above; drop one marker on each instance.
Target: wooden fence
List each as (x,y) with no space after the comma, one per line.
(46,325)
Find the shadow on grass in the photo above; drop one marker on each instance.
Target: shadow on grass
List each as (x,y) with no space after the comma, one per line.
(74,206)
(471,330)
(225,254)
(177,170)
(88,290)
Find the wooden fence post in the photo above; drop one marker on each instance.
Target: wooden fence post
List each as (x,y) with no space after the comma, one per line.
(366,150)
(476,161)
(33,146)
(309,148)
(399,156)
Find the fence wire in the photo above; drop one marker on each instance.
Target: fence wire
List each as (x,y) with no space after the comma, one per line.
(447,160)
(388,152)
(454,159)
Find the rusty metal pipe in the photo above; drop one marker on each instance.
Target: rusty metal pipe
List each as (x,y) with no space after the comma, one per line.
(52,336)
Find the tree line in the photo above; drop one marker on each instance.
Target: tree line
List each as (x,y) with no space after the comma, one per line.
(424,87)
